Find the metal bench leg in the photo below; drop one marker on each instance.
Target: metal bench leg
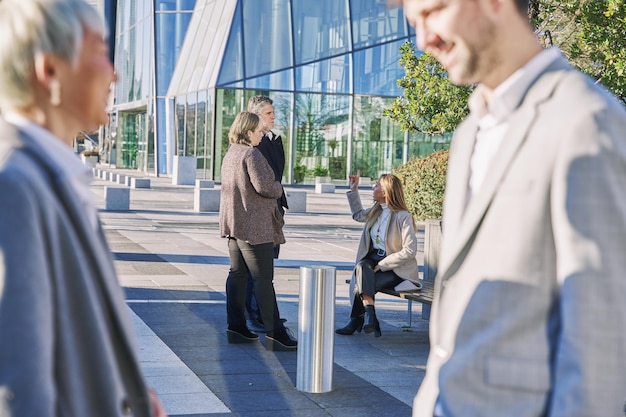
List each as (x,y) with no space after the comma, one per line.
(409,314)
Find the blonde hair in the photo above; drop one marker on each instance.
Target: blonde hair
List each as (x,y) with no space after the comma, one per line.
(394,192)
(244,122)
(32,27)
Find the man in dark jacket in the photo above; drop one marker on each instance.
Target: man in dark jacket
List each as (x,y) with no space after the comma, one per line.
(271,147)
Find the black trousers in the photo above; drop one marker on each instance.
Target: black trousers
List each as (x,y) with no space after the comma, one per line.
(369,282)
(256,261)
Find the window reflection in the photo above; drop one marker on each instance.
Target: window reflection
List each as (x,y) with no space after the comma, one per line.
(321,136)
(267,40)
(377,143)
(232,63)
(329,76)
(376,70)
(321,29)
(373,22)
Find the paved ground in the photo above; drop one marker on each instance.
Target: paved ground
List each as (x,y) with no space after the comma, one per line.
(173,266)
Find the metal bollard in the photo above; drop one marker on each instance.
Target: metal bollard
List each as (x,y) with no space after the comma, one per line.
(316,336)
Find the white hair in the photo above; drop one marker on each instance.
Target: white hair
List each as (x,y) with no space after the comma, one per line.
(32,27)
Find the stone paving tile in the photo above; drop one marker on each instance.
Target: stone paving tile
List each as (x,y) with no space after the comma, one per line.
(186,310)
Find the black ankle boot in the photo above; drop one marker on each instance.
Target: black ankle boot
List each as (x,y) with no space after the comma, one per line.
(371,322)
(280,340)
(355,325)
(240,334)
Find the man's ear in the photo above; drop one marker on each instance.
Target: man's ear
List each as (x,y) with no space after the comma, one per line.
(45,68)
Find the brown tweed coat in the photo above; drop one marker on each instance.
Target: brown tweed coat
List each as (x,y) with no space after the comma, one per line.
(248,209)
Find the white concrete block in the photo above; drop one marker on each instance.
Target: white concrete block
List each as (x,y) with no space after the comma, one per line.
(205,184)
(296,200)
(184,171)
(140,183)
(116,198)
(206,199)
(324,188)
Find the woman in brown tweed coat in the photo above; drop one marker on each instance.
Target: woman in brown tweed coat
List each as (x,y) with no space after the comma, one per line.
(249,218)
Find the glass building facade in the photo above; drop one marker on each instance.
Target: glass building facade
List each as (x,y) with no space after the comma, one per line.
(187,67)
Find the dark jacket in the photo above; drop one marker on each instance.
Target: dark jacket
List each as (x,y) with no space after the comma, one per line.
(274,152)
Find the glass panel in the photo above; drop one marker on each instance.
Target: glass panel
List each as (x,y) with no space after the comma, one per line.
(277,81)
(330,76)
(151,145)
(132,62)
(266,35)
(202,150)
(146,70)
(161,136)
(229,103)
(180,104)
(321,29)
(377,142)
(190,125)
(170,34)
(142,141)
(373,23)
(232,63)
(376,70)
(322,130)
(127,144)
(421,144)
(178,5)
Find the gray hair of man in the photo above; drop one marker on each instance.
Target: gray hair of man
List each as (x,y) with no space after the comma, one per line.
(256,103)
(30,28)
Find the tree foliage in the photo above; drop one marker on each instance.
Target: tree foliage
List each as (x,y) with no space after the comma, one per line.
(591,35)
(431,104)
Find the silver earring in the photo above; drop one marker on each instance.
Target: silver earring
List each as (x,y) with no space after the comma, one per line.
(55,93)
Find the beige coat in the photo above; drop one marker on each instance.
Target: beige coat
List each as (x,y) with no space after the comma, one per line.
(401,244)
(529,317)
(248,209)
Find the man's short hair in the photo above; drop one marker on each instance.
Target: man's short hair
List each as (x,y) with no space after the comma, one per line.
(523,5)
(256,103)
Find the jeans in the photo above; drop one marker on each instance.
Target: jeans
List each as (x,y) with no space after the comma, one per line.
(254,261)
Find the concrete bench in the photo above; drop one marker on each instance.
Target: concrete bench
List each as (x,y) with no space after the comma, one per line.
(116,198)
(140,183)
(206,199)
(424,296)
(296,200)
(324,188)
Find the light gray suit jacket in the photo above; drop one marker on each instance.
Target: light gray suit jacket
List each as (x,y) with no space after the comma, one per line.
(66,344)
(529,316)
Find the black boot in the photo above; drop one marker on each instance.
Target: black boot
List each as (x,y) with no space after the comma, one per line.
(240,334)
(280,340)
(355,325)
(371,322)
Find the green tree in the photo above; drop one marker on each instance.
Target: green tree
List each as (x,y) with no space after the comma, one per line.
(430,104)
(591,35)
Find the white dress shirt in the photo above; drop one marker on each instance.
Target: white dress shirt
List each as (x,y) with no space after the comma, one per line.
(494,115)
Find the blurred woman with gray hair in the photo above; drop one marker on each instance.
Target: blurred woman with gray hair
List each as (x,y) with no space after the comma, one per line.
(67,342)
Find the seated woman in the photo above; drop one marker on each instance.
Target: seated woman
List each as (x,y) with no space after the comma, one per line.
(386,253)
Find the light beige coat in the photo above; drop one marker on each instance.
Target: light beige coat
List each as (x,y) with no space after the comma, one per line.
(401,244)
